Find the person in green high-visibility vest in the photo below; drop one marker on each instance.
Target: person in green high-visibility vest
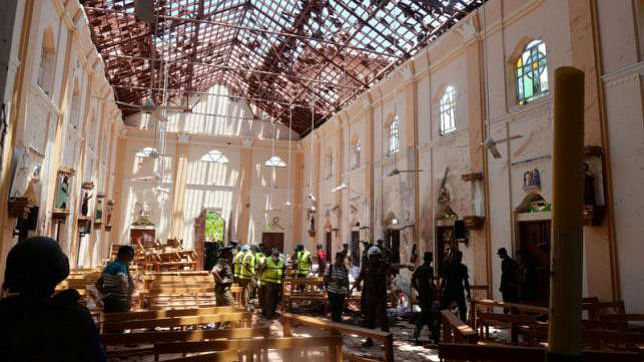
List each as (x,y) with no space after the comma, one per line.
(246,262)
(303,264)
(272,274)
(260,260)
(237,257)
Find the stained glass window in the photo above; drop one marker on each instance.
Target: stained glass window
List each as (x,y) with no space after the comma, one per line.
(532,72)
(447,106)
(394,136)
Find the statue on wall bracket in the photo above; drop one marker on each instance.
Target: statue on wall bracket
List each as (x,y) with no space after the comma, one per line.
(532,180)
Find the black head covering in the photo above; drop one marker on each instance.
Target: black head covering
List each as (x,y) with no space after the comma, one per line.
(34,267)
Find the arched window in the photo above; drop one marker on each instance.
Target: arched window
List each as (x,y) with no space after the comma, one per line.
(446,112)
(532,72)
(147,152)
(394,136)
(47,64)
(74,117)
(275,161)
(355,153)
(214,156)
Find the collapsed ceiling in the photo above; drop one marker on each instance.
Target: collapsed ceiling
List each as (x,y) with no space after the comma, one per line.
(273,53)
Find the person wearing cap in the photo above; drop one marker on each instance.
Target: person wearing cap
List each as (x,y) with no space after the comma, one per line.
(509,278)
(423,281)
(375,273)
(272,273)
(115,282)
(223,274)
(246,271)
(454,283)
(37,324)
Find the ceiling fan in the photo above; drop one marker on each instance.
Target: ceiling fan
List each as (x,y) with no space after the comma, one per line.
(156,176)
(490,144)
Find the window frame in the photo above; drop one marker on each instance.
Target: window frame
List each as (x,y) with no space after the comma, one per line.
(523,68)
(214,156)
(447,108)
(275,161)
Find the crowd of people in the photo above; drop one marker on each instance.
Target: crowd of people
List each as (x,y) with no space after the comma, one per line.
(35,266)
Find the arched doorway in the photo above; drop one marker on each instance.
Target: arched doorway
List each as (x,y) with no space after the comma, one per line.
(532,249)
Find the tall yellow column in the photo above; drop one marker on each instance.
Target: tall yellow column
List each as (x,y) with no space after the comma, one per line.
(179,191)
(245,180)
(564,337)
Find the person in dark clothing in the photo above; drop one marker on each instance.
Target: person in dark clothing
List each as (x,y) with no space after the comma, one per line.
(35,323)
(423,281)
(223,274)
(115,282)
(509,278)
(336,280)
(375,273)
(454,283)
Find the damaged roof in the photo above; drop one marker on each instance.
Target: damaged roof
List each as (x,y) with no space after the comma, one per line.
(273,53)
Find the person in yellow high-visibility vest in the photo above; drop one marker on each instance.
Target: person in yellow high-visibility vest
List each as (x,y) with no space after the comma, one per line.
(260,260)
(246,262)
(237,264)
(303,264)
(272,274)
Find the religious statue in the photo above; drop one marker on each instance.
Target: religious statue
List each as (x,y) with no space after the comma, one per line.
(108,213)
(98,215)
(531,179)
(312,223)
(85,203)
(589,186)
(62,193)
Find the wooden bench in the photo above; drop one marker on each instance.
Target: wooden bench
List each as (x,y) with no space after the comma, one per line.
(144,341)
(243,319)
(386,338)
(503,353)
(455,330)
(172,313)
(514,308)
(596,310)
(235,350)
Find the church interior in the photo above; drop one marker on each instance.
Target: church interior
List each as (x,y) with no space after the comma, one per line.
(248,180)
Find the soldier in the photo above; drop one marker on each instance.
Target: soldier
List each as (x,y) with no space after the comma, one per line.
(223,274)
(260,259)
(272,273)
(423,281)
(375,273)
(454,283)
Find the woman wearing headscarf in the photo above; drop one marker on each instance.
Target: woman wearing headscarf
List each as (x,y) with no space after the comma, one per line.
(35,323)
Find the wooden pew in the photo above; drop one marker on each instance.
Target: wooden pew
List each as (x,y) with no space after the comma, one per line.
(145,341)
(455,330)
(243,319)
(597,309)
(172,313)
(386,338)
(252,347)
(503,353)
(514,308)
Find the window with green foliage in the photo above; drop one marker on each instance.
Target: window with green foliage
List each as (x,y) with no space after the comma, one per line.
(214,226)
(532,72)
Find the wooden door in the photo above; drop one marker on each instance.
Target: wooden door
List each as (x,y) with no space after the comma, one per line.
(534,258)
(329,243)
(355,247)
(273,240)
